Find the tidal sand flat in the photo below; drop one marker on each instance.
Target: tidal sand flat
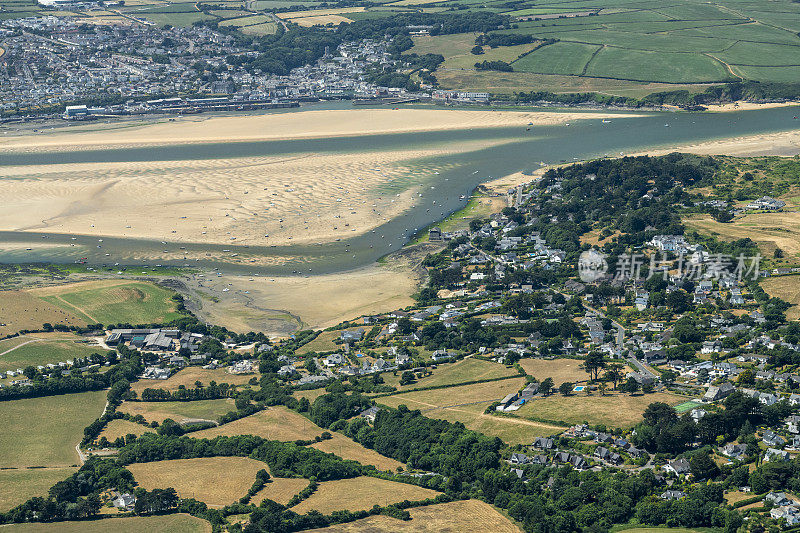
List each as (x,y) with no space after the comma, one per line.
(288,125)
(784,143)
(270,200)
(283,304)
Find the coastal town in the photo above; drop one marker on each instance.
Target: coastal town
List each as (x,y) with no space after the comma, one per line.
(98,71)
(673,333)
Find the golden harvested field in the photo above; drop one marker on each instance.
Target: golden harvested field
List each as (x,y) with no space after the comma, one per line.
(510,430)
(360,493)
(44,431)
(768,230)
(21,310)
(786,288)
(179,411)
(217,481)
(19,485)
(469,369)
(454,396)
(274,423)
(737,496)
(613,409)
(560,370)
(318,12)
(346,448)
(189,375)
(324,341)
(120,428)
(311,394)
(280,490)
(467,403)
(321,20)
(175,523)
(453,517)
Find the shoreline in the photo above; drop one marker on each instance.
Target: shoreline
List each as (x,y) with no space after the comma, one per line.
(747,106)
(327,123)
(781,144)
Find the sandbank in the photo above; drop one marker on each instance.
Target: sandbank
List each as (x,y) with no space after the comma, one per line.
(747,106)
(785,143)
(271,200)
(287,125)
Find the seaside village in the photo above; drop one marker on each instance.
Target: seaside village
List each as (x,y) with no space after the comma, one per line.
(51,60)
(709,341)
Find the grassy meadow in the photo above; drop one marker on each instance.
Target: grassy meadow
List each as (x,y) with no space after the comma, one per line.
(112,301)
(360,493)
(217,481)
(21,310)
(178,411)
(43,348)
(191,374)
(466,370)
(613,409)
(467,515)
(467,403)
(20,484)
(44,431)
(682,46)
(274,423)
(175,523)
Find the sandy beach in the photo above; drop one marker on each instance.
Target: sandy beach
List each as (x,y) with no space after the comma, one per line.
(287,125)
(274,200)
(748,106)
(786,143)
(281,305)
(302,198)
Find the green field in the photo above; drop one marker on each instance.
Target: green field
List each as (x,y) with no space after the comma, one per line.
(19,485)
(177,523)
(246,21)
(681,45)
(637,65)
(113,302)
(181,20)
(50,349)
(558,58)
(44,431)
(268,28)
